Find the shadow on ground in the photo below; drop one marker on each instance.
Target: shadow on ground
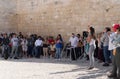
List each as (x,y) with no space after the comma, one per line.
(82,66)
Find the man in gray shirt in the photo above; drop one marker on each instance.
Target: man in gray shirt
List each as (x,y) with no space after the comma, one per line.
(14,42)
(105,41)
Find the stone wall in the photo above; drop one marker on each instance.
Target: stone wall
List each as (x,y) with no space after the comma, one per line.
(8,20)
(50,17)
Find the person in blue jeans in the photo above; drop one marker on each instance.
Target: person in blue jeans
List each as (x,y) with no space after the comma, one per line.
(105,41)
(59,46)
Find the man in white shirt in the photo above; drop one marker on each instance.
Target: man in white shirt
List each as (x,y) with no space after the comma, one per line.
(38,47)
(73,40)
(38,42)
(111,37)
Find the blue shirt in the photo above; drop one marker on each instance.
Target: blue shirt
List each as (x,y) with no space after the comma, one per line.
(59,44)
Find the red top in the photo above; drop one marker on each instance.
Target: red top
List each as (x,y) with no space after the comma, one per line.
(50,41)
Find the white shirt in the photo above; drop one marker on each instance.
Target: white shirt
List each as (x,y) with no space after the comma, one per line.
(74,41)
(38,42)
(116,40)
(92,42)
(14,41)
(24,42)
(111,37)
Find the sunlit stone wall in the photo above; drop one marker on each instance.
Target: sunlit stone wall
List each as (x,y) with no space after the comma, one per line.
(51,17)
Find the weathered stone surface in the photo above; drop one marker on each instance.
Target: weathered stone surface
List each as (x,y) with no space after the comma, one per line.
(8,20)
(50,17)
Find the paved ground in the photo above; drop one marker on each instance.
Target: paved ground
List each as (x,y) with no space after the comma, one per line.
(50,69)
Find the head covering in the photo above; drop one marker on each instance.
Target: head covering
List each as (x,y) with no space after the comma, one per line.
(116,26)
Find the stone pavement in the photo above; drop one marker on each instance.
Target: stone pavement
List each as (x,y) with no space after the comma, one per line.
(50,69)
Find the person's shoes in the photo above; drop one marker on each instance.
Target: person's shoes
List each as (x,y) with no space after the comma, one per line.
(59,59)
(90,68)
(110,62)
(105,64)
(10,57)
(112,76)
(16,58)
(116,78)
(2,55)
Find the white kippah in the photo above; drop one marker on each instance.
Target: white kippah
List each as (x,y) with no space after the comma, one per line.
(113,25)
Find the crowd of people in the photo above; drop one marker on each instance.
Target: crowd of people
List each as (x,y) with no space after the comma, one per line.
(20,46)
(104,46)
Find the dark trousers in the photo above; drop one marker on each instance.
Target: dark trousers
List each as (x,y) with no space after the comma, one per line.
(30,49)
(96,52)
(106,54)
(116,63)
(78,52)
(73,54)
(38,51)
(100,55)
(20,51)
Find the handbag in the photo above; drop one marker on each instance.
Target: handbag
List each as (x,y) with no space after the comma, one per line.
(114,52)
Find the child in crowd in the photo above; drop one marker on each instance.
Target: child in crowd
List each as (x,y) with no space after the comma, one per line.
(52,49)
(45,47)
(24,46)
(100,48)
(86,49)
(50,40)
